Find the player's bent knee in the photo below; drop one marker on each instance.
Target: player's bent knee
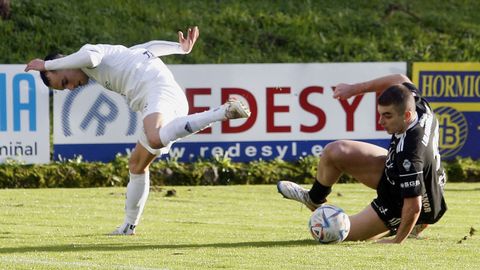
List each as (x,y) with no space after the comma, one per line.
(154,142)
(334,150)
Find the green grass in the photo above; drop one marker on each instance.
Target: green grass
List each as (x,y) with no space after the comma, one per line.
(216,227)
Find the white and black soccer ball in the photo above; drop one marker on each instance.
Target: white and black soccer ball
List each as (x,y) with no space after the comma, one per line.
(329,224)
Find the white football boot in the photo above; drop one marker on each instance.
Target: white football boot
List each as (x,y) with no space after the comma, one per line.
(236,109)
(295,192)
(125,229)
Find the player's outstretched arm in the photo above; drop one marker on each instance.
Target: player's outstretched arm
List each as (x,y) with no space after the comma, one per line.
(345,91)
(162,48)
(87,57)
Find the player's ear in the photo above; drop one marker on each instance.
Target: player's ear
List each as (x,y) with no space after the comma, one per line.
(408,115)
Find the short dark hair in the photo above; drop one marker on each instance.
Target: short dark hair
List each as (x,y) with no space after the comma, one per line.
(43,74)
(399,96)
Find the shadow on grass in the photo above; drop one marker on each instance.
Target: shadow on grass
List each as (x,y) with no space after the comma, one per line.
(123,247)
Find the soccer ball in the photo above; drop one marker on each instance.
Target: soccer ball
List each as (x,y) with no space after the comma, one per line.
(329,224)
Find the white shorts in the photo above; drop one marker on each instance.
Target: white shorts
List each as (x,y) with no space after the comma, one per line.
(171,103)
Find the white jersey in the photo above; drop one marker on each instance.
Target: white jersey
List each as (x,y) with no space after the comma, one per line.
(126,71)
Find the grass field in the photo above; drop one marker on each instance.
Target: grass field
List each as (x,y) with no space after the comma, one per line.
(217,227)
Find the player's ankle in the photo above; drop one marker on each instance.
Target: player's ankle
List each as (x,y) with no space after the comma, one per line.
(318,193)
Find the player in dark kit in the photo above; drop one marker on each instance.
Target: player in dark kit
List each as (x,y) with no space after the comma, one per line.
(409,177)
(413,166)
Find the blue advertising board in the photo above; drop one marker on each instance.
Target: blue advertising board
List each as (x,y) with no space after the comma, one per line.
(24,121)
(453,91)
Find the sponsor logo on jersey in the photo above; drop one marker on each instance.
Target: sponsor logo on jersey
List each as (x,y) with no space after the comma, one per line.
(410,184)
(407,164)
(426,204)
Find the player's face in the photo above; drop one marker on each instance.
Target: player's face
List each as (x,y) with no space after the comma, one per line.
(67,79)
(391,120)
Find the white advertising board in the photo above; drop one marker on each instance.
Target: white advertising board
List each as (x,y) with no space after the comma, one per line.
(24,116)
(294,113)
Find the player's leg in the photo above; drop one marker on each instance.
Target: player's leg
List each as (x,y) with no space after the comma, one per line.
(363,161)
(166,119)
(137,189)
(161,134)
(142,156)
(366,225)
(161,107)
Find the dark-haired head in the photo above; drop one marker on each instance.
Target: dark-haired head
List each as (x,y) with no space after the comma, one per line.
(43,74)
(399,96)
(396,107)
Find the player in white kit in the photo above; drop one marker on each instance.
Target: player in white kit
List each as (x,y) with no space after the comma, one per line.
(149,87)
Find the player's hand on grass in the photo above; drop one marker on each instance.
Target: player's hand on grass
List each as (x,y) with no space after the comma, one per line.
(187,43)
(36,64)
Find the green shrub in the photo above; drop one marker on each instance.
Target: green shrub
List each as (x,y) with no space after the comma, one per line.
(295,31)
(252,31)
(215,171)
(463,169)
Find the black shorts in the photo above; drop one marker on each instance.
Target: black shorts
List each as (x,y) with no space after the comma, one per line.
(390,215)
(386,205)
(389,207)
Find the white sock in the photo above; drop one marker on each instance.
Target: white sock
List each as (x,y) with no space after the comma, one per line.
(137,193)
(183,126)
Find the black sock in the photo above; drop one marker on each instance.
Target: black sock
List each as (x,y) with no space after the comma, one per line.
(319,192)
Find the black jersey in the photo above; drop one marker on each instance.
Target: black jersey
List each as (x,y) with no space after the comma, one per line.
(413,166)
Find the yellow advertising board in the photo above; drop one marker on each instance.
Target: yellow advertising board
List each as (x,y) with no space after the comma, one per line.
(453,91)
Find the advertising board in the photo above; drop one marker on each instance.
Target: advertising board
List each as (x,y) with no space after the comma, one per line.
(294,113)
